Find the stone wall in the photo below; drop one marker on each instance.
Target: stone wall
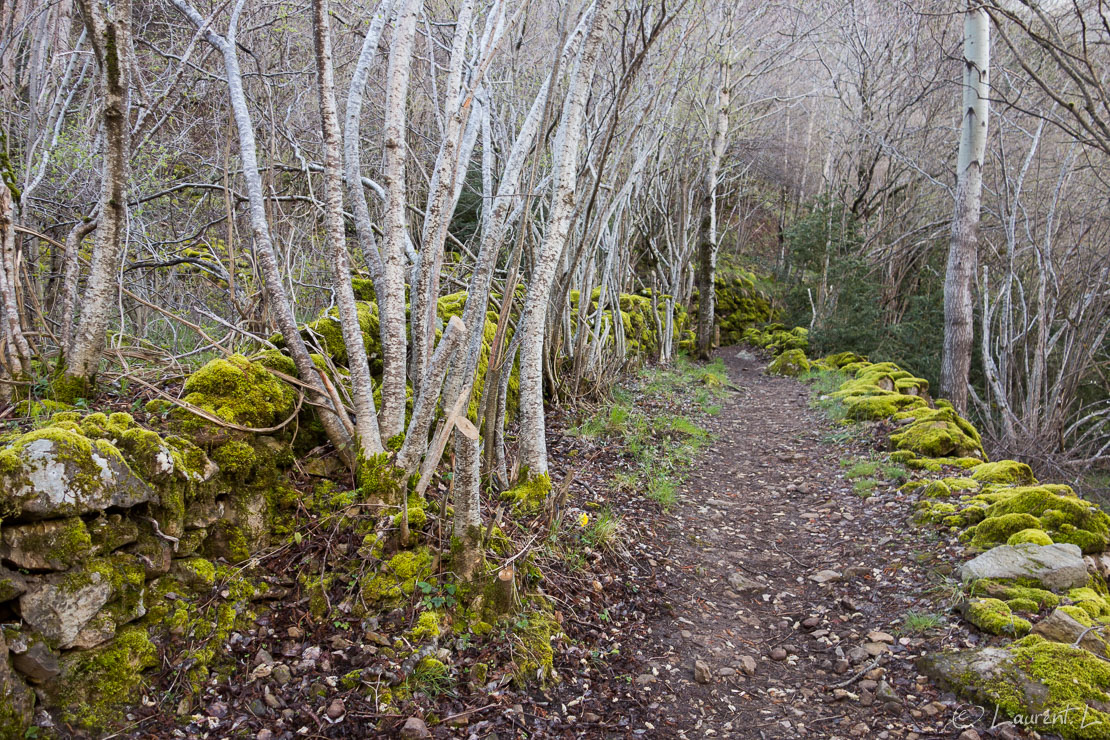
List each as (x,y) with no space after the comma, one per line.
(94,510)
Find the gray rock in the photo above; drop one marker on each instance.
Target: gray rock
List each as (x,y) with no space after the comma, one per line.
(741,583)
(825,576)
(702,674)
(111,532)
(282,674)
(38,662)
(59,609)
(57,544)
(1059,626)
(415,729)
(19,700)
(885,693)
(12,584)
(1057,567)
(747,665)
(64,474)
(993,676)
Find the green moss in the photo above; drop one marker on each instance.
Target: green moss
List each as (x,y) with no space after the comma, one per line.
(938,433)
(995,617)
(1022,605)
(1036,536)
(1089,601)
(1007,472)
(1067,519)
(534,662)
(995,530)
(1079,614)
(398,576)
(1076,680)
(791,363)
(936,489)
(530,493)
(427,627)
(239,391)
(236,459)
(1009,591)
(98,684)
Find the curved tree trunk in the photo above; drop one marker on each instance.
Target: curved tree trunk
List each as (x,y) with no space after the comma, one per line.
(109,30)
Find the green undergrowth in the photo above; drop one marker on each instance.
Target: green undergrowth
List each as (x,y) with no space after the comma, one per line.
(657,422)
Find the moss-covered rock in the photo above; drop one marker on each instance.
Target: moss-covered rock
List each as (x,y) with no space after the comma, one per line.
(996,530)
(96,685)
(790,363)
(56,544)
(938,433)
(995,617)
(1036,536)
(239,391)
(1051,686)
(398,577)
(1006,472)
(1066,519)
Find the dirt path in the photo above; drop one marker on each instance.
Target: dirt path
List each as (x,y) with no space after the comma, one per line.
(785,592)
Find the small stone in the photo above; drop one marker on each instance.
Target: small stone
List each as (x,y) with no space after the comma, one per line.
(875,649)
(702,673)
(264,734)
(726,672)
(263,657)
(868,684)
(880,636)
(843,694)
(747,665)
(742,584)
(282,674)
(295,632)
(841,666)
(811,622)
(857,655)
(778,654)
(217,709)
(969,735)
(885,693)
(825,576)
(645,678)
(336,709)
(860,730)
(38,662)
(415,729)
(591,717)
(866,698)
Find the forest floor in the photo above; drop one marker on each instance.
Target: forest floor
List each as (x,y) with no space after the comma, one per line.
(781,598)
(773,588)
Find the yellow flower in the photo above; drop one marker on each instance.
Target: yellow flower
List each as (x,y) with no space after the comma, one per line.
(584,519)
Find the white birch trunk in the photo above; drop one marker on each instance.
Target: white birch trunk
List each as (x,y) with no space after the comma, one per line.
(960,273)
(265,255)
(352,145)
(362,388)
(109,33)
(533,443)
(391,296)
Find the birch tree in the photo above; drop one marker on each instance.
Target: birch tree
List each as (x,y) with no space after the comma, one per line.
(362,388)
(109,32)
(533,442)
(960,273)
(333,418)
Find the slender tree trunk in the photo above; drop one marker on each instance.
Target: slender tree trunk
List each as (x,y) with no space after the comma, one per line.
(265,255)
(109,30)
(352,154)
(391,297)
(958,317)
(533,443)
(362,389)
(708,242)
(16,352)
